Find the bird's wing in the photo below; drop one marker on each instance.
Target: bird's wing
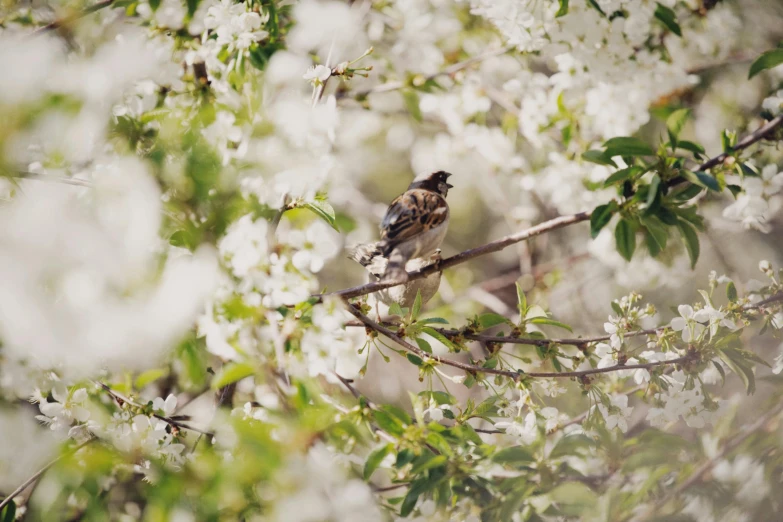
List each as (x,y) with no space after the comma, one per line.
(412,213)
(370,257)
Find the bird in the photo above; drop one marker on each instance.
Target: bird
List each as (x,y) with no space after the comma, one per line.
(371,258)
(415,224)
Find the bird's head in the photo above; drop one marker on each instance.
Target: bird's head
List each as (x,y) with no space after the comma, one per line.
(434,181)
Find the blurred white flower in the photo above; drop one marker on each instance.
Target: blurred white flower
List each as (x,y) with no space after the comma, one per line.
(317,74)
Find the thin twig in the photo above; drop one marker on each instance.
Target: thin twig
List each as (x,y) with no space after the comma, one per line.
(513,374)
(448,71)
(744,434)
(172,422)
(24,485)
(61,22)
(50,178)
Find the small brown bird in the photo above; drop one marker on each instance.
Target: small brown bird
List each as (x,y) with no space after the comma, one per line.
(415,224)
(404,295)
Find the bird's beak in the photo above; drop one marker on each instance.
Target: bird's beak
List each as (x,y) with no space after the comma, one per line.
(450,186)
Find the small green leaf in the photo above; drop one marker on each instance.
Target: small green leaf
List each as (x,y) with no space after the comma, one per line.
(731,292)
(375,459)
(721,371)
(9,512)
(550,322)
(423,345)
(395,309)
(411,99)
(768,60)
(563,9)
(570,445)
(599,157)
(440,337)
(323,210)
(416,305)
(625,239)
(149,376)
(623,174)
(432,320)
(389,423)
(657,232)
(690,146)
(668,18)
(652,193)
(490,363)
(489,320)
(192,6)
(691,240)
(231,373)
(601,216)
(521,302)
(676,121)
(702,179)
(427,461)
(415,359)
(513,455)
(627,146)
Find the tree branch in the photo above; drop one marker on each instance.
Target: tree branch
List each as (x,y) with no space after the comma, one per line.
(172,422)
(448,71)
(472,369)
(67,20)
(744,434)
(24,485)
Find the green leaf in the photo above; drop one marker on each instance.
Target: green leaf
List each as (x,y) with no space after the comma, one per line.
(154,4)
(573,493)
(676,121)
(657,233)
(432,320)
(691,240)
(416,305)
(438,396)
(521,302)
(623,174)
(625,239)
(415,359)
(427,461)
(514,455)
(323,210)
(411,99)
(686,192)
(149,376)
(721,371)
(395,309)
(192,6)
(599,157)
(9,512)
(375,459)
(231,373)
(601,216)
(489,320)
(740,367)
(550,322)
(731,292)
(702,179)
(766,61)
(423,345)
(571,445)
(695,148)
(389,423)
(597,7)
(440,337)
(563,9)
(668,18)
(652,192)
(627,146)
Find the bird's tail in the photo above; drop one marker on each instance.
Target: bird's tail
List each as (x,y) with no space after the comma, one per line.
(365,254)
(395,269)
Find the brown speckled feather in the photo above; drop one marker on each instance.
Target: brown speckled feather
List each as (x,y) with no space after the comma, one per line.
(412,213)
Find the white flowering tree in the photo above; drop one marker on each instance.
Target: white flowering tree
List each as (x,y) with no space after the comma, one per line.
(182,337)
